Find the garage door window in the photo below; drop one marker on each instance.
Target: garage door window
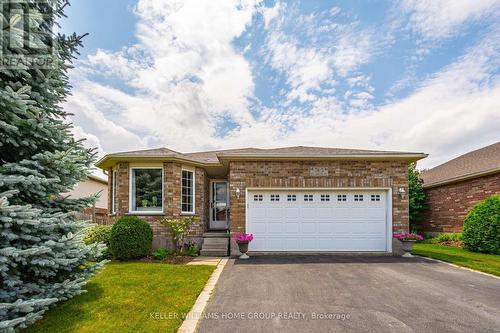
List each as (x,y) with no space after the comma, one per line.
(308,197)
(257,197)
(375,197)
(291,197)
(325,197)
(358,197)
(275,197)
(341,197)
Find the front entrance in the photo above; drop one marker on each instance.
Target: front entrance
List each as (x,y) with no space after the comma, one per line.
(218,204)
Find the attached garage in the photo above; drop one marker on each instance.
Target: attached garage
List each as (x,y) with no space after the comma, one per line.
(319,220)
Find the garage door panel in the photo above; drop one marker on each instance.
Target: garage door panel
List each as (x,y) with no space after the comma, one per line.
(325,212)
(307,228)
(307,212)
(274,228)
(291,212)
(315,225)
(292,227)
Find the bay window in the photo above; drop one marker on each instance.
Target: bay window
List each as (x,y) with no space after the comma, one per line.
(146,190)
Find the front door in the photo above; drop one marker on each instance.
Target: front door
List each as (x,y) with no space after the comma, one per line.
(218,205)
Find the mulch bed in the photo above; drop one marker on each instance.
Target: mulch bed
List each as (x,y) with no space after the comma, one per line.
(169,260)
(452,243)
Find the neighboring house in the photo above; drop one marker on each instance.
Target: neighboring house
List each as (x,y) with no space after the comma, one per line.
(454,187)
(301,199)
(88,187)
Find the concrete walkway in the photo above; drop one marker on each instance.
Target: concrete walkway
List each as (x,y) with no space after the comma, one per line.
(210,261)
(350,294)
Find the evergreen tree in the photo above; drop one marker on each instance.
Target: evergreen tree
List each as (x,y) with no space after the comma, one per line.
(416,195)
(42,257)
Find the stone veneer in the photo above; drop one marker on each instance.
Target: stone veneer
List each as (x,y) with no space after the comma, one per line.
(172,201)
(243,174)
(448,205)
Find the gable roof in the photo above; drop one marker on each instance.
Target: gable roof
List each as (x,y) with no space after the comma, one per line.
(471,165)
(218,157)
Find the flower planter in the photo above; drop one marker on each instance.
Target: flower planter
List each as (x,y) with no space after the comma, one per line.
(407,246)
(243,247)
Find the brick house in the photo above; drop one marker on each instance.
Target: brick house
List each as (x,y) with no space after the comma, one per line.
(297,199)
(454,187)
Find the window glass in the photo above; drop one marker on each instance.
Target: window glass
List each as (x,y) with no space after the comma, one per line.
(113,193)
(147,190)
(187,200)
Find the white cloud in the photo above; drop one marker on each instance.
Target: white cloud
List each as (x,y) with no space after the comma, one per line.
(440,19)
(185,75)
(312,68)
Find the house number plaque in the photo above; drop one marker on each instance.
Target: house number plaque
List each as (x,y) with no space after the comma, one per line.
(318,171)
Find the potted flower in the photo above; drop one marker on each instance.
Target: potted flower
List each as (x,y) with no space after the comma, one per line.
(408,239)
(242,240)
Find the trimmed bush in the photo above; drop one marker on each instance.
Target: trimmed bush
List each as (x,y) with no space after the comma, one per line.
(131,238)
(98,233)
(482,227)
(162,253)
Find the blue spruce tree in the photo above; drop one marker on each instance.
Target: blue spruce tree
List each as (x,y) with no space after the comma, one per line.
(42,257)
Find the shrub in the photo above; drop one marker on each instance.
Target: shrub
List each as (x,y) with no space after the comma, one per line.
(131,237)
(416,197)
(482,227)
(448,237)
(162,253)
(191,250)
(98,234)
(178,229)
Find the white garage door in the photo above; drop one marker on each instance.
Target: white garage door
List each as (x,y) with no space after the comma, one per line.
(326,220)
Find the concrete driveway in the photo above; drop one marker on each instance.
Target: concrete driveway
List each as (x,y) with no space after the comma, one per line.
(351,294)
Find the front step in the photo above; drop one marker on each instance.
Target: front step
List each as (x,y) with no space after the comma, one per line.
(213,253)
(215,244)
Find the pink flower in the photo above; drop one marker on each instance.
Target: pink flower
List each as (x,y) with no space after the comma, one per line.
(404,236)
(242,237)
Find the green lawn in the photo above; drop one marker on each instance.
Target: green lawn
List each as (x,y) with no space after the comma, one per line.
(488,263)
(130,297)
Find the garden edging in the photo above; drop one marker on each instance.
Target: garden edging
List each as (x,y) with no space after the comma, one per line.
(193,317)
(458,266)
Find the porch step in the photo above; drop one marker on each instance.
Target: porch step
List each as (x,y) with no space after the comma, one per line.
(213,253)
(215,244)
(216,234)
(221,241)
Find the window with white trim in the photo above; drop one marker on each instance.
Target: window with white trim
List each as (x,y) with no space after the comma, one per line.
(358,197)
(308,197)
(113,192)
(291,197)
(375,197)
(146,189)
(275,197)
(341,197)
(187,199)
(325,197)
(257,197)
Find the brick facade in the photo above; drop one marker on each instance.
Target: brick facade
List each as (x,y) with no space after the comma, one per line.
(448,205)
(171,204)
(243,174)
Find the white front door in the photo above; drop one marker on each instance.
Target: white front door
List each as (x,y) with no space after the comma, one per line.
(218,204)
(318,220)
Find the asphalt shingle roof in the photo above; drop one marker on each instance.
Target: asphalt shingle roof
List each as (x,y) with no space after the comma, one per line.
(475,162)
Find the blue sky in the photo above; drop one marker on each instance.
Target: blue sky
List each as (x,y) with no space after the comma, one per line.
(196,75)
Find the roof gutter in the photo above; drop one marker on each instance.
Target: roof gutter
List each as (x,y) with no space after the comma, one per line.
(108,160)
(281,157)
(462,178)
